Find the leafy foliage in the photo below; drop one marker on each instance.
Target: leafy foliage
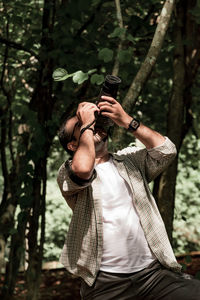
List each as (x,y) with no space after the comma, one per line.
(82,37)
(187,210)
(58,216)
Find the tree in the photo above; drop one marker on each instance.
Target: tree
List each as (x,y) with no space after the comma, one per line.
(180,118)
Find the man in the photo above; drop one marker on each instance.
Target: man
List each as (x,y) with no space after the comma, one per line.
(117,242)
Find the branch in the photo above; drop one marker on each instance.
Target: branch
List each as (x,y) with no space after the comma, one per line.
(121,25)
(152,55)
(17,46)
(90,20)
(4,163)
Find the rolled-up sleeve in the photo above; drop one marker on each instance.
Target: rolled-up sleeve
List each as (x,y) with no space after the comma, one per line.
(69,183)
(159,158)
(151,162)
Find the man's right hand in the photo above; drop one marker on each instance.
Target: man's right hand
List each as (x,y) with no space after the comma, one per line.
(85,113)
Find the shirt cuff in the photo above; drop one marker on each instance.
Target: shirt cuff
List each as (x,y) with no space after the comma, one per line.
(75,178)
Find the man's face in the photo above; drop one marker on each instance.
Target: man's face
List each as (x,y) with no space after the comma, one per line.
(73,126)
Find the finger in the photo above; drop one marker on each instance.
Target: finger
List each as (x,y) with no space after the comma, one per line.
(78,116)
(109,99)
(90,110)
(107,114)
(102,103)
(85,104)
(107,107)
(82,104)
(89,106)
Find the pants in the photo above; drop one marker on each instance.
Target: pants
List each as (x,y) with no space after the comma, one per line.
(153,283)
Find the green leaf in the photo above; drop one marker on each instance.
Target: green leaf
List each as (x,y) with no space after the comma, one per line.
(184,266)
(105,54)
(95,2)
(79,77)
(22,216)
(13,231)
(91,71)
(118,32)
(61,74)
(25,201)
(131,38)
(124,56)
(98,79)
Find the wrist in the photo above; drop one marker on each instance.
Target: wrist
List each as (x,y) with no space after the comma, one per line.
(88,128)
(127,121)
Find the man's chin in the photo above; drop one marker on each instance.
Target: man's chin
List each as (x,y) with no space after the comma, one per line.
(100,136)
(100,144)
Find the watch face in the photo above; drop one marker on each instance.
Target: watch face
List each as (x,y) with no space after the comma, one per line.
(135,124)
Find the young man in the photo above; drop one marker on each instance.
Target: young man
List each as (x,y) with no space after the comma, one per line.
(117,242)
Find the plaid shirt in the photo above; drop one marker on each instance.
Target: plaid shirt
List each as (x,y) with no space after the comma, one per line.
(82,250)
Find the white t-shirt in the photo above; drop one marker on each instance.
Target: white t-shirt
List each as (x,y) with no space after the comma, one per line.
(125,248)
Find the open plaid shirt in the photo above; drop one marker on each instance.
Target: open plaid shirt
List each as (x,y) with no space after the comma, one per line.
(82,250)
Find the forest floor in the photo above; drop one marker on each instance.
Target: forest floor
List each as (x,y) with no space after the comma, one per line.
(57,284)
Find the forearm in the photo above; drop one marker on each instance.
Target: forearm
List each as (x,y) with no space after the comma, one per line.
(112,109)
(84,157)
(148,137)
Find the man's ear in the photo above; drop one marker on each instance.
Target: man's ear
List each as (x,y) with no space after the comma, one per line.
(71,146)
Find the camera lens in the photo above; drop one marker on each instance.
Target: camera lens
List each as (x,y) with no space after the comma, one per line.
(109,88)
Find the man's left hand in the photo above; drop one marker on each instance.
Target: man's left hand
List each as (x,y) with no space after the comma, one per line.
(109,107)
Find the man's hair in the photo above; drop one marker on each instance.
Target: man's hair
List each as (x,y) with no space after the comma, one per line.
(65,135)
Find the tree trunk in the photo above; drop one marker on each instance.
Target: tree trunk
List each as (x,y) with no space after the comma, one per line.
(42,102)
(179,107)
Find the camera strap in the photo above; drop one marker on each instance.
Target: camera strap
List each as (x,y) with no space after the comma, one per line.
(87,127)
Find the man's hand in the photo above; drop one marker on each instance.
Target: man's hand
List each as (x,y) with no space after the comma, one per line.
(85,112)
(109,107)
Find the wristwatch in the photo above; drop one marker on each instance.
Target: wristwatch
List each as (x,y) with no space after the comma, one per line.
(134,124)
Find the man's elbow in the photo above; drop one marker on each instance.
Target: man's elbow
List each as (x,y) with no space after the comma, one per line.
(83,172)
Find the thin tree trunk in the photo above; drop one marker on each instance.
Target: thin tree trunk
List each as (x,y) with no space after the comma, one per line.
(15,256)
(147,66)
(42,102)
(17,237)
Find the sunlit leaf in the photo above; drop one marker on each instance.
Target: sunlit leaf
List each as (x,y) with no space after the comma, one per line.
(61,74)
(79,77)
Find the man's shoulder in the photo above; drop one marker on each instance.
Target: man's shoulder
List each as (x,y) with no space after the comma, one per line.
(128,150)
(132,153)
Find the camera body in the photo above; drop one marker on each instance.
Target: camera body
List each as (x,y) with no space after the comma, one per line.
(109,88)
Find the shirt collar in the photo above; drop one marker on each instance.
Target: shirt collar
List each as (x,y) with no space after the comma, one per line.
(116,156)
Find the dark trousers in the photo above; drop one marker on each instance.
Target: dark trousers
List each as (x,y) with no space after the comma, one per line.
(153,283)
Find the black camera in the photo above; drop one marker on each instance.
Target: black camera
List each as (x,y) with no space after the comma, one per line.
(109,88)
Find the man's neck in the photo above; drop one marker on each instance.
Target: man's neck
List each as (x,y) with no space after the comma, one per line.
(102,157)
